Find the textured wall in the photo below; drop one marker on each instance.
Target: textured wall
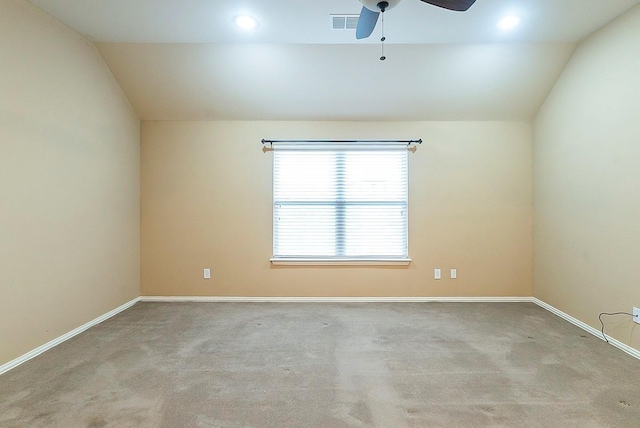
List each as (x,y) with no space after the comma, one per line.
(207,202)
(587,182)
(69,183)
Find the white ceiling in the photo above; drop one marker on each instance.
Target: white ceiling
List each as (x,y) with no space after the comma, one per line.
(185,59)
(301,22)
(336,82)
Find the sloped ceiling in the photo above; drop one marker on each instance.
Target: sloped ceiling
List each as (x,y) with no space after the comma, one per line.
(180,60)
(336,82)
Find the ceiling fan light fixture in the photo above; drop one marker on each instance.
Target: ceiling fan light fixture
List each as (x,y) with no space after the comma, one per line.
(373,5)
(509,22)
(246,22)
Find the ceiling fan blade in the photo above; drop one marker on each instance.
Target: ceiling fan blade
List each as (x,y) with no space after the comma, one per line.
(457,5)
(366,23)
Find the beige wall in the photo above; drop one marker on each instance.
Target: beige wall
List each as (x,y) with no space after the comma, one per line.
(587,182)
(207,202)
(69,183)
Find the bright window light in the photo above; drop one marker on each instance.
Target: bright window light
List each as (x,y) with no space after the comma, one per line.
(246,22)
(509,22)
(333,203)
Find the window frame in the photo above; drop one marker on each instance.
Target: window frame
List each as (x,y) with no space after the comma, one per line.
(341,259)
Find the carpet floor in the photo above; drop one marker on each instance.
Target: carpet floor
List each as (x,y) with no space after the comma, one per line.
(387,365)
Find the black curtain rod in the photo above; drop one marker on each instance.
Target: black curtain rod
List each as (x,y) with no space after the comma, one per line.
(342,141)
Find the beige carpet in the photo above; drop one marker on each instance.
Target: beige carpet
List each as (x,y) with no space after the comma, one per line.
(327,365)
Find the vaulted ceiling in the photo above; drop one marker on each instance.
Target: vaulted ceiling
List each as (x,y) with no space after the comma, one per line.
(187,59)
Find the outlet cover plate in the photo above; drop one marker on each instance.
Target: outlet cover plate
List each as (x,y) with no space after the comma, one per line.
(437,274)
(207,274)
(636,315)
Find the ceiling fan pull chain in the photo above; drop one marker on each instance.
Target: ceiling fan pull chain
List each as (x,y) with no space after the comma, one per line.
(382,39)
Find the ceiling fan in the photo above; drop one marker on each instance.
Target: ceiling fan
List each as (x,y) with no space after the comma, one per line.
(372,9)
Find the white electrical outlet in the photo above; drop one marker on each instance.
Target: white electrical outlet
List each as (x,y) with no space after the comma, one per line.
(636,315)
(207,274)
(454,273)
(437,274)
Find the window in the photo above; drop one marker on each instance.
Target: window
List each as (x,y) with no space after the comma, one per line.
(340,202)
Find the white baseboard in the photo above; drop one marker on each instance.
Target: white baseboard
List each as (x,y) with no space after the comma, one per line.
(586,327)
(55,342)
(238,299)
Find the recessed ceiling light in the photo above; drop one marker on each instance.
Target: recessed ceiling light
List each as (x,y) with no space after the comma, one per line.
(509,22)
(246,22)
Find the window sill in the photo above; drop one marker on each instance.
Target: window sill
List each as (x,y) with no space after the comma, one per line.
(339,262)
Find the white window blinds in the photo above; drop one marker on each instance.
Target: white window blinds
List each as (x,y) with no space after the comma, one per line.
(340,201)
